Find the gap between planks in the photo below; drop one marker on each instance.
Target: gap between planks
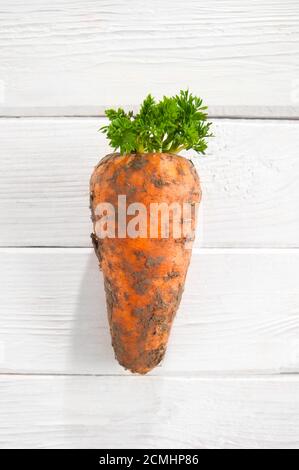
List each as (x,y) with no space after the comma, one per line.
(254,375)
(206,250)
(215,112)
(228,116)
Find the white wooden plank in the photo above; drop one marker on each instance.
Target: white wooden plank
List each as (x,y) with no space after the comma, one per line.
(238,55)
(240,314)
(149,412)
(249,180)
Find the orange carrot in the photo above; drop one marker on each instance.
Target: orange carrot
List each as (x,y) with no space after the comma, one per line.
(144,276)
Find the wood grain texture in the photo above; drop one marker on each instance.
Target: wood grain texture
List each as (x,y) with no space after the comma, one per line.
(60,385)
(238,55)
(249,181)
(149,412)
(239,314)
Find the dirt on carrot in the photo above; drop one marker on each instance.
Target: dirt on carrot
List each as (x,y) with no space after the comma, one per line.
(144,277)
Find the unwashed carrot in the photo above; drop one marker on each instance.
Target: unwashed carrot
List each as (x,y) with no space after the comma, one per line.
(144,276)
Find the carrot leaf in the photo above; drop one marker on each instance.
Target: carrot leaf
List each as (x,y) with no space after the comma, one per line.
(170,125)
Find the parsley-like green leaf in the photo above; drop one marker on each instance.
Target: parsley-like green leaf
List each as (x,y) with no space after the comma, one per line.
(170,125)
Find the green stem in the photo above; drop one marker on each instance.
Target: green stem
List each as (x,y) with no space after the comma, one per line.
(177,149)
(140,149)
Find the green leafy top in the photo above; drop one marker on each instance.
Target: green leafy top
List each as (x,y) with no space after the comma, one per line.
(170,125)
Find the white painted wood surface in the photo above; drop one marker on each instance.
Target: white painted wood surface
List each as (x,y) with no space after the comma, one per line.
(239,314)
(149,412)
(226,380)
(68,54)
(249,180)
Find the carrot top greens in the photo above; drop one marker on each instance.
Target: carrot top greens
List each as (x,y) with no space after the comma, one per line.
(170,125)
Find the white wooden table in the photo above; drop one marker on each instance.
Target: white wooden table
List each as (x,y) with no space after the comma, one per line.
(230,376)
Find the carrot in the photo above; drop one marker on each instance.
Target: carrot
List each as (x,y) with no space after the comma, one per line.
(144,276)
